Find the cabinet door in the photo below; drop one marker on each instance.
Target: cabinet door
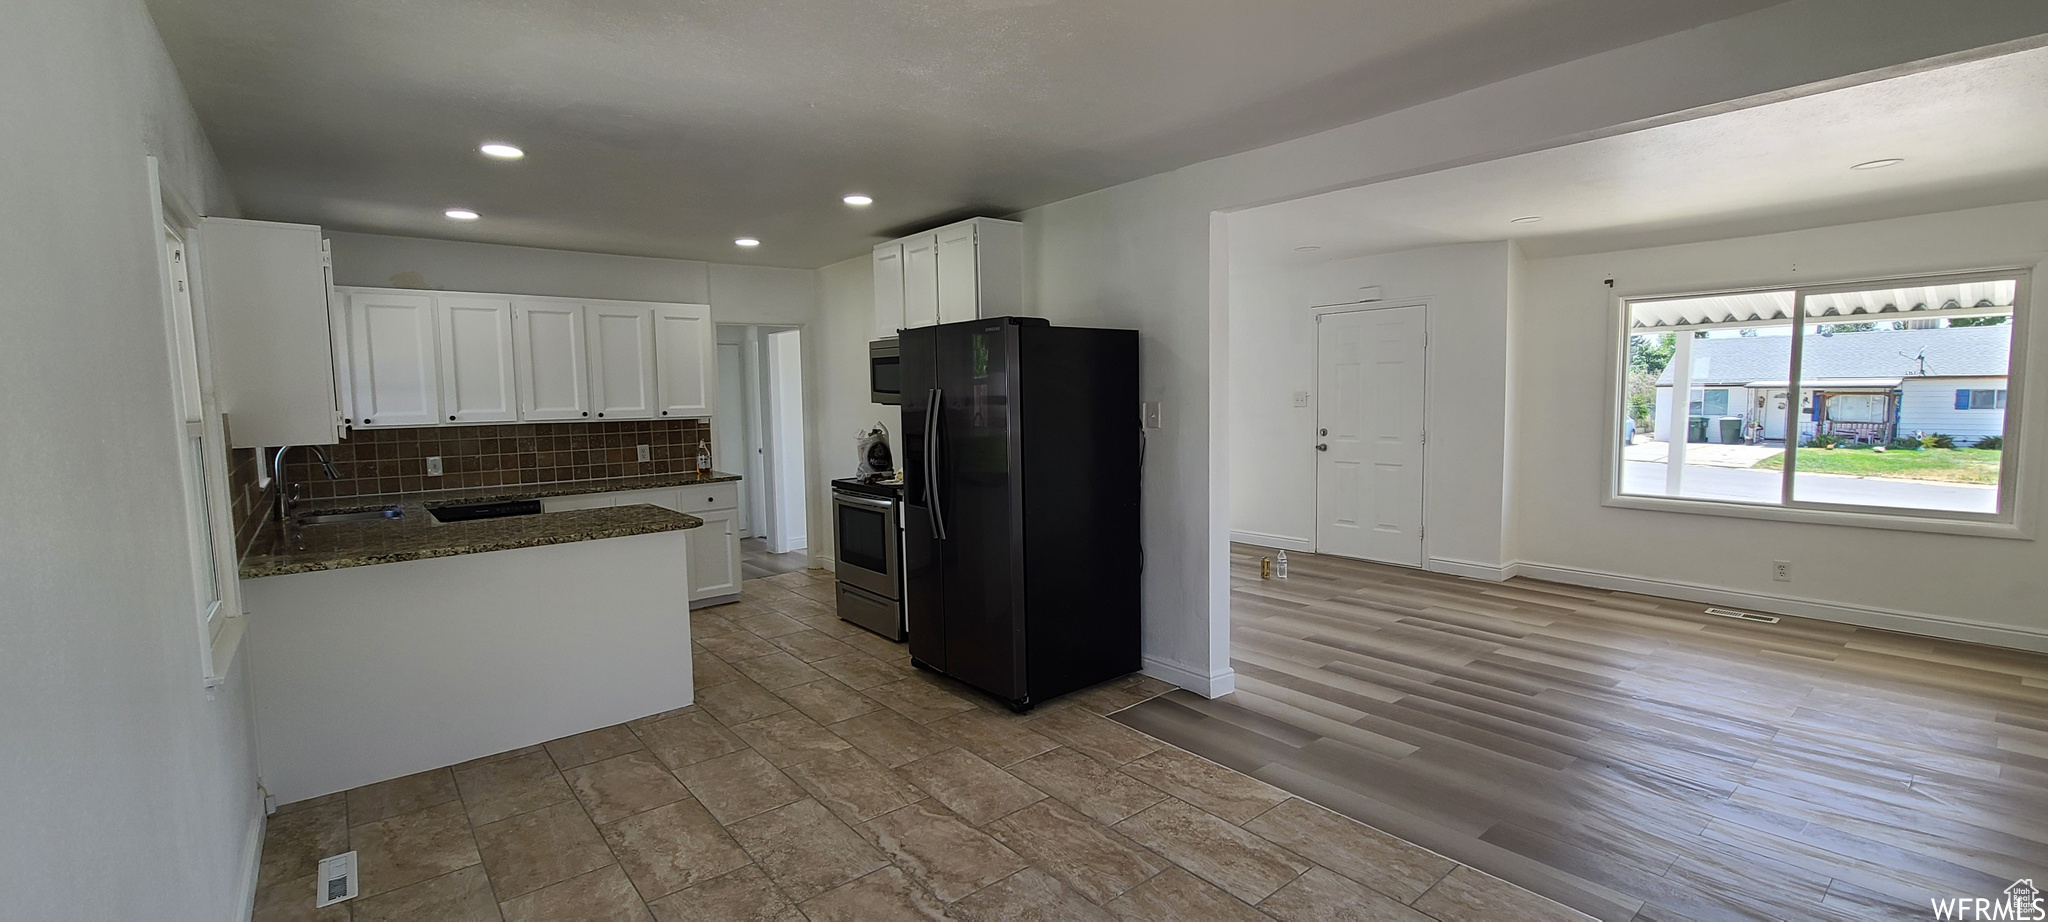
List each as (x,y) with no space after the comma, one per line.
(265,315)
(921,281)
(476,359)
(714,548)
(548,356)
(337,337)
(391,345)
(959,274)
(888,290)
(685,360)
(620,338)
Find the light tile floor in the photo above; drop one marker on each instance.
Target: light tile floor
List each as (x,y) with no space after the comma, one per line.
(820,777)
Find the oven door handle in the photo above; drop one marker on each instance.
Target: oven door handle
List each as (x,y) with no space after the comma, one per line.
(931,463)
(862,501)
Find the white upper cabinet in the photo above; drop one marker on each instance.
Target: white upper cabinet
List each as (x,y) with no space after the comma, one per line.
(423,358)
(959,294)
(685,360)
(620,338)
(263,289)
(549,360)
(920,281)
(476,359)
(888,289)
(393,357)
(962,271)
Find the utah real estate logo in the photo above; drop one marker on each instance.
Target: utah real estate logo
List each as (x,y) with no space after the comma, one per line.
(2021,902)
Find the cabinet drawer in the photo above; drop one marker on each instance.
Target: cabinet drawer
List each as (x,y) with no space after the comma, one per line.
(712,496)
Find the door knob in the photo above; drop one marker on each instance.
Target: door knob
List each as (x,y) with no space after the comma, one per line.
(1322,447)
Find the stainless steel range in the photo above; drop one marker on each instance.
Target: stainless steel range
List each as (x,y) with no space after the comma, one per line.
(868,555)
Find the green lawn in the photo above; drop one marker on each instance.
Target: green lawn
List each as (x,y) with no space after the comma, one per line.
(1949,465)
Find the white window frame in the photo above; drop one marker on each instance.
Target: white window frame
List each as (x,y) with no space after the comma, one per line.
(2013,518)
(209,518)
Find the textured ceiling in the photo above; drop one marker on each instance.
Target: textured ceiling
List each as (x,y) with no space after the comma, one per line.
(1971,134)
(668,127)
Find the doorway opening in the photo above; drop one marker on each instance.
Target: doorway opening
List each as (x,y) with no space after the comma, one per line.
(758,433)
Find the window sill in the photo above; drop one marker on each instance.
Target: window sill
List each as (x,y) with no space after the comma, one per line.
(226,643)
(1883,521)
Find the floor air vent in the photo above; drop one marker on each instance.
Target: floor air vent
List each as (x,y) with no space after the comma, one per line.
(337,879)
(1743,615)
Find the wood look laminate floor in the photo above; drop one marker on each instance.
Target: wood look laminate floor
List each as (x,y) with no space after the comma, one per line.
(758,562)
(1632,756)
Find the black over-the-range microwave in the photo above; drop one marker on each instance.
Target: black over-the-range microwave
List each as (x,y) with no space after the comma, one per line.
(885,371)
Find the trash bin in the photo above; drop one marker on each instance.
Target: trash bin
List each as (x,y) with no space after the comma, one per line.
(1697,430)
(1731,430)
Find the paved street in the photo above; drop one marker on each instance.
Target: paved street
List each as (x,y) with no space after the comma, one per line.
(1727,483)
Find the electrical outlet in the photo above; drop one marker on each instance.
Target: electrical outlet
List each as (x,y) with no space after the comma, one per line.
(1301,398)
(434,466)
(645,454)
(1151,411)
(1781,570)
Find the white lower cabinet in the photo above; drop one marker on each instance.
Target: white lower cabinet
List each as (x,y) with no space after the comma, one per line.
(714,555)
(714,547)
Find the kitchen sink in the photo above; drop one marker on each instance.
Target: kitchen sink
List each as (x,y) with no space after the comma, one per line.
(336,518)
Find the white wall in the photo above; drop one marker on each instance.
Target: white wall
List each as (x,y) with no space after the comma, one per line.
(129,791)
(846,323)
(1273,355)
(786,419)
(1143,254)
(1977,587)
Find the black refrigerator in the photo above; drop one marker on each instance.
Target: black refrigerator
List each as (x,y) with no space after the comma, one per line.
(1021,465)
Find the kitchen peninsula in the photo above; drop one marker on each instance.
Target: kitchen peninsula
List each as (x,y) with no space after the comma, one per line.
(390,644)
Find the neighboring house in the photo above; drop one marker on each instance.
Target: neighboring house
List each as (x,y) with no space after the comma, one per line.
(1868,387)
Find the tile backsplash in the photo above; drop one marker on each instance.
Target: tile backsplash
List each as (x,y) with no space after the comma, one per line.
(395,460)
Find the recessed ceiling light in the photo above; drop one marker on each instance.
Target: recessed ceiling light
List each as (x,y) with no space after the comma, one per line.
(1526,219)
(461,214)
(746,242)
(1307,249)
(858,201)
(1879,164)
(498,151)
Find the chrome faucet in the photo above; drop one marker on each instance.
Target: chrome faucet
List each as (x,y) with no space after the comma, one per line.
(285,487)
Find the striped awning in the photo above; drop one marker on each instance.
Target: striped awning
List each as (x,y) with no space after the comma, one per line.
(1765,308)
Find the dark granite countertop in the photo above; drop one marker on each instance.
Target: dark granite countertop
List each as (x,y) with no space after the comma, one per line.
(416,536)
(514,491)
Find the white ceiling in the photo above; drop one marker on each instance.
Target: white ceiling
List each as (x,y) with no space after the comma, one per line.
(668,127)
(1972,134)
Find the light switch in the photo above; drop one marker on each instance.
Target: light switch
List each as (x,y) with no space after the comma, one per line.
(1301,398)
(434,466)
(1151,409)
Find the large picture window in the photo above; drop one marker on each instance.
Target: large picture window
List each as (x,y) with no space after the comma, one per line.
(1888,398)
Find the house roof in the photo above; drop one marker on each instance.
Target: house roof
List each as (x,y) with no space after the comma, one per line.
(1949,352)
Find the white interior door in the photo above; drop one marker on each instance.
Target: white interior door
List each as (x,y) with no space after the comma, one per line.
(729,435)
(1369,372)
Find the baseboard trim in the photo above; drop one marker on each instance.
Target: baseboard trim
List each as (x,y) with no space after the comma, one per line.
(1283,542)
(1208,685)
(1925,625)
(1472,568)
(252,860)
